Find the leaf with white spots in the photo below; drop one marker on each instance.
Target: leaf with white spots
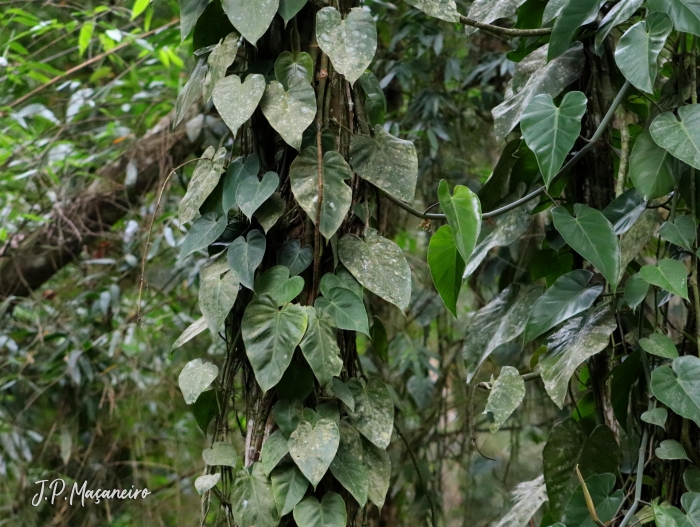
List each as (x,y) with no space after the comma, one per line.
(348,466)
(196,377)
(373,415)
(488,11)
(442,9)
(221,453)
(192,91)
(320,346)
(204,180)
(205,483)
(313,448)
(290,112)
(251,17)
(507,393)
(252,499)
(378,466)
(217,293)
(221,57)
(237,101)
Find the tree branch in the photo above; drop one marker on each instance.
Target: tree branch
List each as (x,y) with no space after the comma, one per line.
(509,32)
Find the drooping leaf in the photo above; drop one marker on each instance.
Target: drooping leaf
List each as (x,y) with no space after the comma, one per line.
(684,13)
(463,212)
(205,408)
(287,414)
(691,479)
(577,340)
(379,265)
(190,11)
(329,512)
(342,391)
(678,387)
(204,179)
(196,377)
(350,43)
(679,137)
(619,14)
(551,131)
(252,499)
(314,447)
(194,329)
(605,501)
(671,449)
(657,417)
(625,210)
(237,171)
(507,392)
(667,274)
(527,498)
(337,195)
(206,482)
(623,377)
(651,170)
(270,336)
(290,111)
(568,296)
(634,240)
(487,11)
(636,290)
(348,466)
(681,231)
(320,346)
(273,450)
(251,193)
(287,67)
(251,17)
(442,9)
(221,57)
(289,8)
(500,321)
(237,101)
(378,466)
(533,76)
(375,100)
(295,257)
(217,293)
(446,267)
(289,487)
(221,453)
(245,255)
(269,212)
(638,50)
(373,415)
(659,345)
(571,18)
(590,234)
(203,232)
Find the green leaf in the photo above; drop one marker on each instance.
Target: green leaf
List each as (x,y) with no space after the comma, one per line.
(205,483)
(295,257)
(446,267)
(205,408)
(568,446)
(221,57)
(217,293)
(289,486)
(290,111)
(276,283)
(636,290)
(488,11)
(191,91)
(221,453)
(670,449)
(667,274)
(623,377)
(638,50)
(252,499)
(203,232)
(273,450)
(684,13)
(194,329)
(251,193)
(568,296)
(590,234)
(329,512)
(552,131)
(204,179)
(373,415)
(379,265)
(245,255)
(289,8)
(343,279)
(287,414)
(681,231)
(680,137)
(533,76)
(345,309)
(571,18)
(691,479)
(190,11)
(378,466)
(387,162)
(237,171)
(348,466)
(379,338)
(666,515)
(691,504)
(314,447)
(320,346)
(577,340)
(442,9)
(463,212)
(650,169)
(342,391)
(657,417)
(251,17)
(287,67)
(337,195)
(500,321)
(625,210)
(236,102)
(269,212)
(270,336)
(659,345)
(678,387)
(196,377)
(375,101)
(139,7)
(297,381)
(86,31)
(605,501)
(507,392)
(619,14)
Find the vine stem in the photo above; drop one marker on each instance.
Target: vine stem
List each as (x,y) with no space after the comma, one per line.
(505,31)
(538,192)
(624,152)
(693,197)
(418,472)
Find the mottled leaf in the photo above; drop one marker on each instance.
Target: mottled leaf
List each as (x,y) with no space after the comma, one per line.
(245,255)
(657,417)
(218,289)
(221,453)
(488,11)
(191,91)
(251,17)
(221,57)
(207,482)
(670,449)
(269,212)
(196,377)
(507,392)
(291,111)
(204,179)
(378,472)
(374,411)
(252,499)
(236,102)
(320,346)
(527,498)
(442,9)
(348,466)
(203,232)
(314,447)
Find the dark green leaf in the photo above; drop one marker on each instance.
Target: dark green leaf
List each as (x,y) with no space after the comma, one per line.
(345,309)
(342,391)
(463,212)
(205,408)
(203,232)
(379,337)
(446,267)
(650,168)
(320,346)
(571,18)
(605,501)
(659,345)
(251,193)
(297,382)
(289,8)
(636,290)
(684,13)
(236,172)
(295,257)
(287,414)
(681,231)
(245,255)
(679,136)
(330,512)
(287,66)
(289,486)
(378,471)
(190,11)
(348,466)
(691,479)
(276,282)
(274,449)
(624,376)
(375,101)
(625,210)
(373,415)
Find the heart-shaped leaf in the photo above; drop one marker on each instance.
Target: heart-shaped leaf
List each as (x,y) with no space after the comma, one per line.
(343,279)
(205,483)
(507,392)
(251,193)
(290,112)
(320,346)
(463,211)
(374,411)
(568,296)
(379,265)
(681,231)
(590,234)
(190,11)
(656,416)
(313,448)
(348,465)
(446,267)
(287,67)
(678,387)
(276,283)
(350,43)
(252,499)
(196,377)
(236,172)
(684,13)
(651,170)
(204,179)
(273,450)
(269,212)
(375,100)
(551,131)
(236,102)
(221,453)
(345,309)
(217,293)
(670,449)
(619,14)
(329,512)
(251,17)
(600,491)
(295,257)
(221,57)
(679,137)
(270,336)
(342,391)
(289,8)
(378,471)
(194,329)
(442,9)
(572,17)
(636,290)
(387,162)
(203,232)
(245,255)
(287,414)
(289,486)
(659,345)
(625,210)
(667,274)
(638,50)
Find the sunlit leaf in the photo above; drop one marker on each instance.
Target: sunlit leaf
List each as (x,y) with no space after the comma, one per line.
(446,266)
(291,111)
(667,274)
(196,377)
(251,17)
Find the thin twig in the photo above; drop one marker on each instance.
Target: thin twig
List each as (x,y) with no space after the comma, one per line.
(509,32)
